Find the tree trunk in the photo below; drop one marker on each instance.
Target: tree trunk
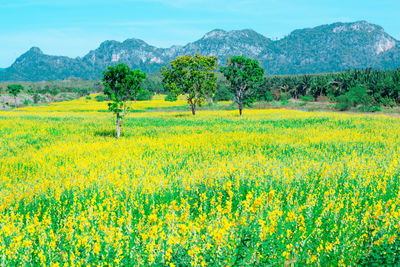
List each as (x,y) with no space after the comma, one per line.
(15,101)
(118,126)
(240,109)
(193,109)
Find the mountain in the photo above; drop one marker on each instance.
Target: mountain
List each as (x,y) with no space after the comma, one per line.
(327,48)
(338,47)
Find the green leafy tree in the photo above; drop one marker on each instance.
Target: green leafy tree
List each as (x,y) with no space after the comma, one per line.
(15,89)
(192,76)
(120,85)
(244,75)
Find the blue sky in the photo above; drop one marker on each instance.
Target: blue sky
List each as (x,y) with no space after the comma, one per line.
(73,27)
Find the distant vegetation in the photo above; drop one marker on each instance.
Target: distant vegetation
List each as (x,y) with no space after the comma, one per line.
(368,89)
(56,91)
(361,90)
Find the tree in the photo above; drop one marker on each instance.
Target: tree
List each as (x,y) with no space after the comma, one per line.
(191,76)
(244,75)
(120,85)
(15,89)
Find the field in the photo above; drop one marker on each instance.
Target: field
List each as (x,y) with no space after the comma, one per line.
(275,187)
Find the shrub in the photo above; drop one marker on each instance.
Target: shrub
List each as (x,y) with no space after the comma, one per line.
(307,98)
(36,98)
(100,98)
(388,102)
(268,97)
(144,95)
(26,102)
(82,92)
(88,98)
(171,97)
(222,94)
(354,97)
(343,103)
(370,108)
(284,102)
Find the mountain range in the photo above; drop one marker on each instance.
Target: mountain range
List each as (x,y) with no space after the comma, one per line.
(327,48)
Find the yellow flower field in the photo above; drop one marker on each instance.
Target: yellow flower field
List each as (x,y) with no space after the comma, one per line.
(275,187)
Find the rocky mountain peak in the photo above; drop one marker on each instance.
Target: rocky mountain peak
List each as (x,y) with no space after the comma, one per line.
(327,48)
(217,33)
(35,50)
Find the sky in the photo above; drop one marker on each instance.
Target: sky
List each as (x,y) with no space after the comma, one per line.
(74,27)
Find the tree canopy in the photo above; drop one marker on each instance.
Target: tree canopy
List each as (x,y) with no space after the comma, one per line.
(244,75)
(15,89)
(120,85)
(192,76)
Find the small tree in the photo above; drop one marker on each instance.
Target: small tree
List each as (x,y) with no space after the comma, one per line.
(192,76)
(120,85)
(15,89)
(244,75)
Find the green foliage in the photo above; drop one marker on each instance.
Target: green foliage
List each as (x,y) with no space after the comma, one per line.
(100,98)
(14,89)
(306,98)
(222,94)
(379,88)
(244,75)
(36,98)
(356,96)
(88,97)
(144,95)
(171,97)
(343,103)
(121,84)
(192,76)
(81,92)
(26,102)
(268,97)
(386,254)
(154,84)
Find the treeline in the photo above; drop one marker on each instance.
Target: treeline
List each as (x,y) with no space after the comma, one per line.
(367,88)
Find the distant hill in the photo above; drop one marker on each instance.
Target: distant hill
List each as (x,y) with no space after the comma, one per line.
(326,48)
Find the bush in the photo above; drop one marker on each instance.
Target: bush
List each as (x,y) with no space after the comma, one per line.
(82,92)
(370,108)
(388,102)
(222,94)
(26,102)
(88,98)
(285,96)
(354,97)
(100,98)
(36,98)
(171,97)
(307,98)
(343,103)
(249,101)
(268,97)
(284,102)
(144,95)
